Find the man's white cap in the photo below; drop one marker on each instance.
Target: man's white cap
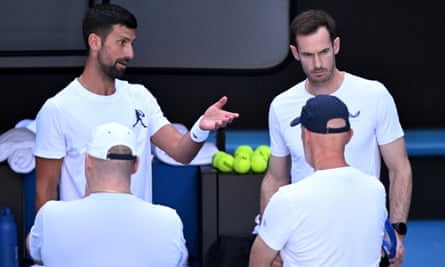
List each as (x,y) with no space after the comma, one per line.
(106,136)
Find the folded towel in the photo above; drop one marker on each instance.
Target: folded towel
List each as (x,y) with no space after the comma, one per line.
(22,160)
(29,124)
(16,146)
(204,156)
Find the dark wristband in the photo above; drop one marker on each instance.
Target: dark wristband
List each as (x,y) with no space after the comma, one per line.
(400,228)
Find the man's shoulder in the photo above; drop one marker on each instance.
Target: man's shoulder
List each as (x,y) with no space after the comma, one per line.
(295,90)
(357,90)
(129,85)
(133,89)
(163,210)
(356,79)
(367,179)
(66,92)
(55,207)
(292,98)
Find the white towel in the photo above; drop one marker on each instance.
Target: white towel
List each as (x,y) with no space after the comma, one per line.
(29,124)
(16,146)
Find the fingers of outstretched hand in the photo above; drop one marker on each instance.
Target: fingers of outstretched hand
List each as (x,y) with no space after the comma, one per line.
(218,107)
(221,102)
(217,119)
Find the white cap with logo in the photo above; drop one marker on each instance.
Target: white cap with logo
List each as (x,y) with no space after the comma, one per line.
(106,136)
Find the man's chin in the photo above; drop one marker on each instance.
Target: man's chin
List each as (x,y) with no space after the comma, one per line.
(318,77)
(118,74)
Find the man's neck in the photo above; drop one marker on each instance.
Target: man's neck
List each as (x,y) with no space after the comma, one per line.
(110,191)
(108,186)
(96,82)
(327,87)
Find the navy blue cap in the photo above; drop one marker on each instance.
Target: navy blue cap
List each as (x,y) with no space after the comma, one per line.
(319,110)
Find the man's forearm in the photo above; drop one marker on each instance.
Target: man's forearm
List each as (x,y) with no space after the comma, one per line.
(47,179)
(400,190)
(44,195)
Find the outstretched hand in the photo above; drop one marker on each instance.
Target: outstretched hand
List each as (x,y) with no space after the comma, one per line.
(215,117)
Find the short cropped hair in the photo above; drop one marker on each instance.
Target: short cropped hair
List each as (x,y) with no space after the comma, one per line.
(309,21)
(100,20)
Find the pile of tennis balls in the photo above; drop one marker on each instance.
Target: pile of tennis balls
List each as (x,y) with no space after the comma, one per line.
(244,160)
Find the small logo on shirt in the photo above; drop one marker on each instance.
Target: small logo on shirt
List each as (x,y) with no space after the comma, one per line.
(139,116)
(263,223)
(354,115)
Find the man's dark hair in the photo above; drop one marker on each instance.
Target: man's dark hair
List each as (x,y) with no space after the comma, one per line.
(100,20)
(309,21)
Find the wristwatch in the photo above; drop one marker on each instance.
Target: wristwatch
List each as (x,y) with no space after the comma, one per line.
(400,228)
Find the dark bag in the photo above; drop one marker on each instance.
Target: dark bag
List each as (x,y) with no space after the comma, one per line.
(229,251)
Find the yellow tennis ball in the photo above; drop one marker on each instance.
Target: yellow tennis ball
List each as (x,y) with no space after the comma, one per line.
(225,163)
(243,154)
(216,157)
(264,150)
(243,151)
(258,163)
(241,165)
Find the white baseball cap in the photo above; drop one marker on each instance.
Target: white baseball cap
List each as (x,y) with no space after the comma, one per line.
(106,136)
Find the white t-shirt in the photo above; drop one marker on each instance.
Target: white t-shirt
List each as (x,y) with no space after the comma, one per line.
(332,218)
(107,229)
(374,120)
(66,121)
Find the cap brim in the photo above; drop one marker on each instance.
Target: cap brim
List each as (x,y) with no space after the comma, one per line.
(295,121)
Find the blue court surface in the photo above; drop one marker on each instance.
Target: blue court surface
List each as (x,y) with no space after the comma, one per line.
(425,243)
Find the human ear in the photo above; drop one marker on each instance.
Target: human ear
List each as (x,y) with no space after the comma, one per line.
(350,134)
(94,41)
(305,136)
(136,165)
(336,45)
(294,51)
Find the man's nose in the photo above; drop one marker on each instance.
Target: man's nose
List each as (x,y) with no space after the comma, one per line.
(317,61)
(129,51)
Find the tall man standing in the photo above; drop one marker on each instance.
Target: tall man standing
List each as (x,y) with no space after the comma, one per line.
(99,96)
(374,118)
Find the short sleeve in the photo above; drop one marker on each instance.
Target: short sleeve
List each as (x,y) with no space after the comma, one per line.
(278,146)
(49,139)
(388,126)
(276,224)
